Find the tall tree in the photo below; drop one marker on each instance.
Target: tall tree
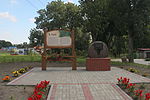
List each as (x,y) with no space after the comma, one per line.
(131,17)
(36,37)
(95,17)
(4,43)
(60,15)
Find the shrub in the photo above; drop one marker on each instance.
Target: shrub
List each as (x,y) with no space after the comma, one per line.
(147,59)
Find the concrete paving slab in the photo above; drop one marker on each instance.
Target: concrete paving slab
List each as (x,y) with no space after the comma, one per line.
(87,92)
(66,75)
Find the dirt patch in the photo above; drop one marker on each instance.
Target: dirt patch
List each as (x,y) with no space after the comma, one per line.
(140,70)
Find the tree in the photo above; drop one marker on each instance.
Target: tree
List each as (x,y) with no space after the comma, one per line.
(95,17)
(4,43)
(60,15)
(131,17)
(36,37)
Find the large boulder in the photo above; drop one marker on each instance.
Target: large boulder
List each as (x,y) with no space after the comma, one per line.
(98,49)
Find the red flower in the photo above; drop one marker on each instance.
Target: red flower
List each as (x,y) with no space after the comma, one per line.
(125,81)
(118,79)
(39,96)
(147,96)
(38,91)
(130,85)
(30,98)
(138,92)
(46,82)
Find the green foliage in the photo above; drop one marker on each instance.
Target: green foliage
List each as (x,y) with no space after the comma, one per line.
(117,63)
(131,17)
(60,15)
(19,58)
(124,25)
(29,58)
(147,59)
(36,37)
(4,43)
(81,59)
(133,70)
(95,19)
(81,41)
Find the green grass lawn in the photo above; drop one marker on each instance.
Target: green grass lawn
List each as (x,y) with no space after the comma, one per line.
(19,58)
(4,54)
(116,63)
(81,59)
(37,58)
(27,58)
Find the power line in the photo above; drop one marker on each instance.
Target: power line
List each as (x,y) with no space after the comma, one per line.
(32,4)
(41,2)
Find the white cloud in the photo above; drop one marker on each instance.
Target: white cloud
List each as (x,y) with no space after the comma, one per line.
(13,1)
(5,36)
(32,20)
(71,1)
(7,16)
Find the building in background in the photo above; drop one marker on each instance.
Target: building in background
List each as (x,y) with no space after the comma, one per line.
(144,53)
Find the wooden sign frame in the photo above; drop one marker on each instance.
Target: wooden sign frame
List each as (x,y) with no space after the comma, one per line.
(72,46)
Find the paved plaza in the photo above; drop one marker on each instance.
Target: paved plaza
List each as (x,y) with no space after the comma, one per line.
(80,84)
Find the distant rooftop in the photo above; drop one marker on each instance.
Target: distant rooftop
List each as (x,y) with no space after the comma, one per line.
(144,49)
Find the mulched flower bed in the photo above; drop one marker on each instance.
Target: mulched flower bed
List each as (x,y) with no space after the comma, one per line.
(40,91)
(139,91)
(140,71)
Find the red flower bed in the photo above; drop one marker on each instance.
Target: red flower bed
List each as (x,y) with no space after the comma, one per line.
(147,95)
(40,91)
(128,87)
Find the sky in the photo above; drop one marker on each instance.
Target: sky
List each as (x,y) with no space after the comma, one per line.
(17,18)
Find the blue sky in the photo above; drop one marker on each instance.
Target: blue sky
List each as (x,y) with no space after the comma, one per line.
(17,18)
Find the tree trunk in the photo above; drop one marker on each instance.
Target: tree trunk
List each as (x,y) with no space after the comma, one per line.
(93,37)
(130,44)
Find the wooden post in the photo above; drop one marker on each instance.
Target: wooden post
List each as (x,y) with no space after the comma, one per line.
(74,66)
(44,59)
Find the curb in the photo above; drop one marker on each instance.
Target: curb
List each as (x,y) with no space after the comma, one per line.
(13,81)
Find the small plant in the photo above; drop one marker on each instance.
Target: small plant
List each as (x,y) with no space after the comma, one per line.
(30,67)
(147,59)
(138,94)
(147,96)
(16,73)
(142,86)
(12,98)
(39,91)
(145,74)
(131,87)
(133,70)
(123,82)
(6,78)
(22,70)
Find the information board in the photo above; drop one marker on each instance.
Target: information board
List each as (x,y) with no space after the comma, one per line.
(58,38)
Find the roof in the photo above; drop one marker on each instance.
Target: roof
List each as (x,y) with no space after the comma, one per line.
(144,49)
